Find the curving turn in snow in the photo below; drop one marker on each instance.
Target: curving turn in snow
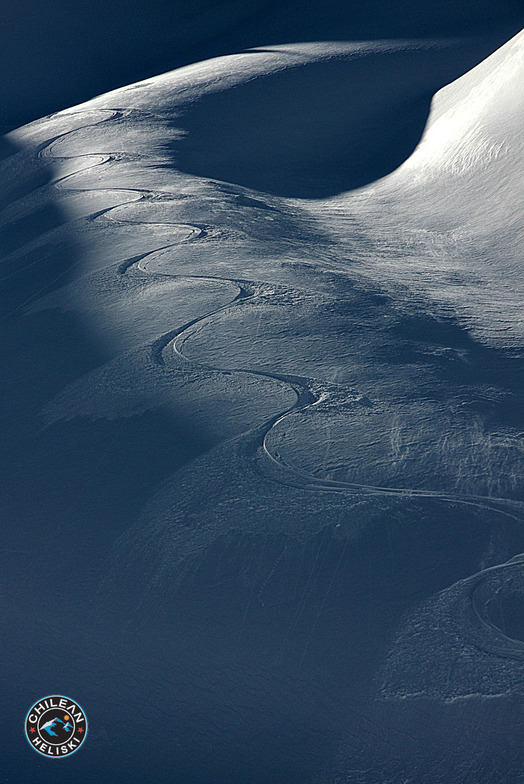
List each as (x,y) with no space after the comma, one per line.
(275,301)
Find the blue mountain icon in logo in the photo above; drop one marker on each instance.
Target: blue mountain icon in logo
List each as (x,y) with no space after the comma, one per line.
(48,726)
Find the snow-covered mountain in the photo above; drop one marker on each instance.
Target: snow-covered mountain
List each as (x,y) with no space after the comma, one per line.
(264,330)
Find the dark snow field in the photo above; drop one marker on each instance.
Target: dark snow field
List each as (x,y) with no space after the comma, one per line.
(262,419)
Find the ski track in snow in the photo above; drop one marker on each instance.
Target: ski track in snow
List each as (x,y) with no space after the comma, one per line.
(304,387)
(306,398)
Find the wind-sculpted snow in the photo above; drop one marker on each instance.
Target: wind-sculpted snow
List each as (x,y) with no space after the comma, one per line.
(284,317)
(454,206)
(471,625)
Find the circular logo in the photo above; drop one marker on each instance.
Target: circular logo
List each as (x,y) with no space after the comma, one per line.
(56,726)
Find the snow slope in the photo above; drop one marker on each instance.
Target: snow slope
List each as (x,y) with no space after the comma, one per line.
(263,318)
(457,199)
